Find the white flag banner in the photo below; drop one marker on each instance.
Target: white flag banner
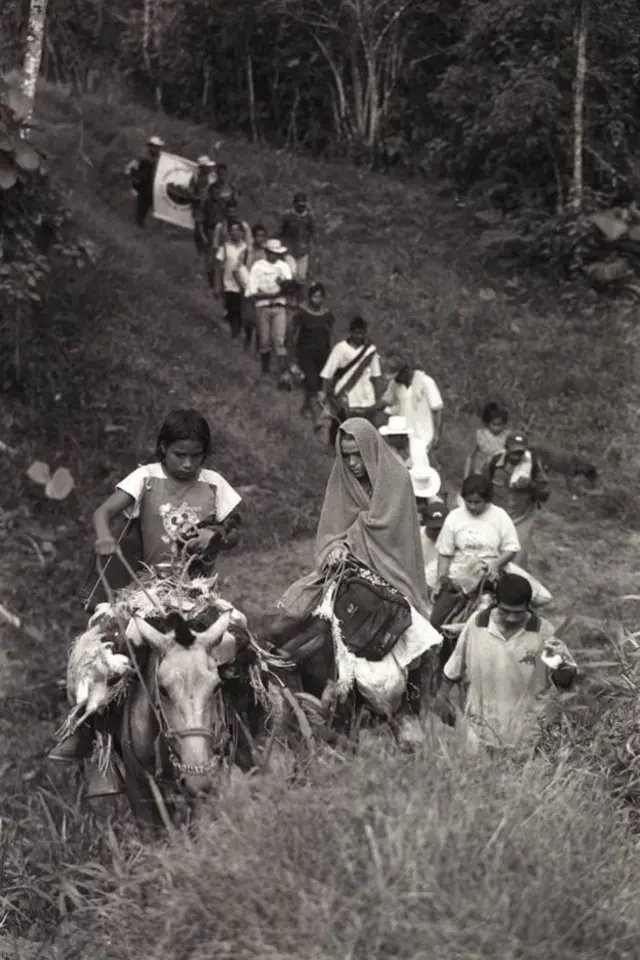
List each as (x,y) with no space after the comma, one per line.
(170,190)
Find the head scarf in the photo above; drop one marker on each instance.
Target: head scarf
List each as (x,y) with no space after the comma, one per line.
(383,531)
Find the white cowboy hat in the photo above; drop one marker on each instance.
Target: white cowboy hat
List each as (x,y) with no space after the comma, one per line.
(396,426)
(205,161)
(425,481)
(274,246)
(155,141)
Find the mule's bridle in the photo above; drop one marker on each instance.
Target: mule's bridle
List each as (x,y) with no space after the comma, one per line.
(172,735)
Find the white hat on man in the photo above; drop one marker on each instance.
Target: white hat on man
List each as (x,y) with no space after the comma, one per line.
(425,481)
(395,427)
(205,161)
(274,246)
(155,141)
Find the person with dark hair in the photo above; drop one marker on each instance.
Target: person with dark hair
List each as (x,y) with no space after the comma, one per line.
(414,395)
(176,501)
(297,233)
(509,658)
(222,227)
(254,253)
(520,485)
(179,508)
(310,341)
(230,258)
(352,379)
(477,540)
(490,437)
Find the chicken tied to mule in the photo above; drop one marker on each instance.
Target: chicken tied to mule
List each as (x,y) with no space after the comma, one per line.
(166,688)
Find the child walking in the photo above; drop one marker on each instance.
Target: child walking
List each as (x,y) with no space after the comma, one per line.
(231,257)
(490,438)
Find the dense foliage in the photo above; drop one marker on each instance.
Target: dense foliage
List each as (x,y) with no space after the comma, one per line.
(475,89)
(34,226)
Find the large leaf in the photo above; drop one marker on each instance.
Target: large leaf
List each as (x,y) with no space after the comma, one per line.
(27,158)
(8,174)
(60,485)
(39,472)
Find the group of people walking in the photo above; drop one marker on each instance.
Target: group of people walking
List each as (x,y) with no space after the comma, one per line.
(384,503)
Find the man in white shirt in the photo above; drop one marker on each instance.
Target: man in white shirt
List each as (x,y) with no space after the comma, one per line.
(265,288)
(415,396)
(352,378)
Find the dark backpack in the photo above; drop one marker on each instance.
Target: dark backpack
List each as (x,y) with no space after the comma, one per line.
(372,614)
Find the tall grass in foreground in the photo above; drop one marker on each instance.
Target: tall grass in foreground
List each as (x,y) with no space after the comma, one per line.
(440,856)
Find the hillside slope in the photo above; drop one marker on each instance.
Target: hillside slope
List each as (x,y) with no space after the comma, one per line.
(116,346)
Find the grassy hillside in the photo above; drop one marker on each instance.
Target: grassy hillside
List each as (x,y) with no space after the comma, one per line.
(118,345)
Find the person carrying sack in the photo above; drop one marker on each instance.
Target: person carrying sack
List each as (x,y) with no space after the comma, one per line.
(352,379)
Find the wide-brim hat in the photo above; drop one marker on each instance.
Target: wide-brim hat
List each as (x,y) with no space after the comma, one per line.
(274,246)
(425,481)
(396,426)
(205,161)
(155,142)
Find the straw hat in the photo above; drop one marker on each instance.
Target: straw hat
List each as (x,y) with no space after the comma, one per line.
(205,161)
(395,427)
(274,246)
(425,481)
(155,142)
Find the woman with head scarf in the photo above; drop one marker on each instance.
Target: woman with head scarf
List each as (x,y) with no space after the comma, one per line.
(370,513)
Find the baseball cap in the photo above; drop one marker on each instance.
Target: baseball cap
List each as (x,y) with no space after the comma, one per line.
(516,441)
(436,511)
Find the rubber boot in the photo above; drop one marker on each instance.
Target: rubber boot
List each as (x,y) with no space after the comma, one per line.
(74,748)
(265,362)
(99,784)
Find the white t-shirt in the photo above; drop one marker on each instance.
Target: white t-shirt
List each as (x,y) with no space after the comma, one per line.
(417,404)
(469,540)
(231,256)
(166,507)
(264,277)
(363,393)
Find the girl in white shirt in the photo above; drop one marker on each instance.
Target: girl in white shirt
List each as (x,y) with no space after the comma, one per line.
(231,257)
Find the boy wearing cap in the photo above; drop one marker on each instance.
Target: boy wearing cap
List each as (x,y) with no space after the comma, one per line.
(265,284)
(509,658)
(142,173)
(520,486)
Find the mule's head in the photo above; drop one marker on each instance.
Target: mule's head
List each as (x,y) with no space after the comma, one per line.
(189,674)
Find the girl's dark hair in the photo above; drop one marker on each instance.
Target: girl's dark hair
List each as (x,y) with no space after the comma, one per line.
(479,485)
(317,287)
(494,411)
(235,223)
(183,425)
(258,226)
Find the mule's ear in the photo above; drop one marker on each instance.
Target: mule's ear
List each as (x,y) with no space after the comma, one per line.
(212,636)
(226,650)
(146,633)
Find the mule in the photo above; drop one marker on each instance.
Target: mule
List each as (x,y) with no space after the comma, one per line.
(309,645)
(199,701)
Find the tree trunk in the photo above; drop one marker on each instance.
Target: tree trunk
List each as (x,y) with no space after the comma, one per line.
(251,93)
(146,36)
(577,184)
(33,52)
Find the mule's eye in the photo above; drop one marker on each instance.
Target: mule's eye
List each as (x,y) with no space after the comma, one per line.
(162,690)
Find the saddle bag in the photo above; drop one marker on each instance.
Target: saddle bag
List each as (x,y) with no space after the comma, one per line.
(372,614)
